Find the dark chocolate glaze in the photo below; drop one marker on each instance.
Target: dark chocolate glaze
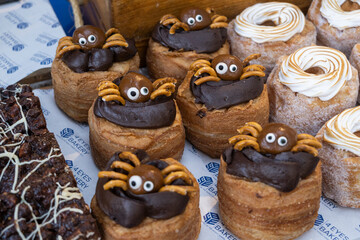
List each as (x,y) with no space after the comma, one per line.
(157,113)
(206,40)
(128,209)
(282,171)
(97,59)
(224,94)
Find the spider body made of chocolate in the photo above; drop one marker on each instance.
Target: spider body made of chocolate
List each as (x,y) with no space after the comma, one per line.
(143,179)
(193,19)
(274,138)
(226,67)
(88,37)
(135,87)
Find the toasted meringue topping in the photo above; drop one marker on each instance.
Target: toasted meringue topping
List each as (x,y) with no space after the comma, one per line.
(288,18)
(336,68)
(337,17)
(340,131)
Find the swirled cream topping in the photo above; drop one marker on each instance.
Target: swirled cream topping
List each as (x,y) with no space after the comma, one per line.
(337,17)
(336,68)
(340,131)
(288,18)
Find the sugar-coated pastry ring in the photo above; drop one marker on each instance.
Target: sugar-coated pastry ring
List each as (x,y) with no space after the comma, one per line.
(355,61)
(75,92)
(185,226)
(293,108)
(242,46)
(341,164)
(341,39)
(209,131)
(162,62)
(252,210)
(107,138)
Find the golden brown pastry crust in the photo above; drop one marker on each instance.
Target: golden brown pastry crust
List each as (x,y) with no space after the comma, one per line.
(270,51)
(341,171)
(210,133)
(182,227)
(355,61)
(75,92)
(161,62)
(303,113)
(343,40)
(107,138)
(254,210)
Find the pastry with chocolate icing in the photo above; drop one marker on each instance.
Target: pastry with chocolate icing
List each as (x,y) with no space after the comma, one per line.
(310,86)
(340,158)
(337,23)
(217,96)
(176,43)
(273,28)
(134,113)
(138,197)
(85,59)
(269,183)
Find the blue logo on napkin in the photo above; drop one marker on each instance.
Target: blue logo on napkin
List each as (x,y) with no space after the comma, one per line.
(67,132)
(46,61)
(27,5)
(205,181)
(12,69)
(18,47)
(22,25)
(319,220)
(211,218)
(52,42)
(69,163)
(213,167)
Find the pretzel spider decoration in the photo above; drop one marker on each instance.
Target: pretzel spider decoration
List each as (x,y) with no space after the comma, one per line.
(87,37)
(274,138)
(135,87)
(142,178)
(226,67)
(194,19)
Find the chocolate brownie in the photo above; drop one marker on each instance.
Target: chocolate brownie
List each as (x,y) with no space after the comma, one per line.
(38,194)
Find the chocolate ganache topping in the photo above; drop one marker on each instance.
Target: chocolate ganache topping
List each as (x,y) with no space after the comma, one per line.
(274,154)
(224,94)
(282,171)
(129,208)
(141,107)
(90,50)
(206,40)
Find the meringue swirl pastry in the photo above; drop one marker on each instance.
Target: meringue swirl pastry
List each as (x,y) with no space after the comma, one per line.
(340,158)
(287,17)
(333,63)
(274,29)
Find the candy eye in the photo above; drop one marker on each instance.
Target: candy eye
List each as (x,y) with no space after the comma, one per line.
(282,141)
(191,21)
(233,68)
(135,182)
(270,137)
(133,93)
(82,41)
(221,68)
(199,18)
(148,186)
(144,91)
(92,38)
